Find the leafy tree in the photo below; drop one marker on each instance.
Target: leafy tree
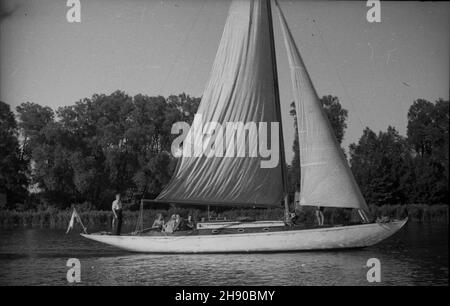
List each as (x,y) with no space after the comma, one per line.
(427,131)
(108,143)
(420,126)
(381,166)
(102,145)
(32,120)
(13,168)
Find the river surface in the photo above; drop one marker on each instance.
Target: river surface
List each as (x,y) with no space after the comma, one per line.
(417,255)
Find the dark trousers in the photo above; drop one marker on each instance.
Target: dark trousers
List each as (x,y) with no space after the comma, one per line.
(118,221)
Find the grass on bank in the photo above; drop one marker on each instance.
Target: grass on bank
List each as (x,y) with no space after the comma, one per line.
(95,218)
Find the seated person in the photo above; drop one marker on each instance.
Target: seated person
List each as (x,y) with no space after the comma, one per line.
(190,224)
(186,225)
(212,216)
(178,223)
(293,218)
(169,227)
(159,222)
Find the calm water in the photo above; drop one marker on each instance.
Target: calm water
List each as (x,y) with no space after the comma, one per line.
(418,255)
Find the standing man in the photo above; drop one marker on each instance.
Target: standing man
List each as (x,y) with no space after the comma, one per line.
(117,212)
(319,215)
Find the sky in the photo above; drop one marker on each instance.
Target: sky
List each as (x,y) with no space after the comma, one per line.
(167,47)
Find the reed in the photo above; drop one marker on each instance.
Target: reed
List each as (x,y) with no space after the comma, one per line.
(53,218)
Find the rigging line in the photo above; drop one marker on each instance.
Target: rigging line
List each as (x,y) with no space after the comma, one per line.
(335,68)
(183,44)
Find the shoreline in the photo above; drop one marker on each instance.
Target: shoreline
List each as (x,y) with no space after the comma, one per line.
(95,218)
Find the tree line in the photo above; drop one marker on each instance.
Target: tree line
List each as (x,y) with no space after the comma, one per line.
(86,152)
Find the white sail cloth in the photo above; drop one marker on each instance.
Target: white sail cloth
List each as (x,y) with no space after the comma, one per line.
(326,178)
(241,89)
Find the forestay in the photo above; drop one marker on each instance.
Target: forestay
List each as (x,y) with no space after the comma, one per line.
(326,178)
(240,89)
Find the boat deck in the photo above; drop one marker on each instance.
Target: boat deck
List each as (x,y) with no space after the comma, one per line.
(226,228)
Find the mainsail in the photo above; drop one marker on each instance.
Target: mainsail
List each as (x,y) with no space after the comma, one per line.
(242,88)
(326,178)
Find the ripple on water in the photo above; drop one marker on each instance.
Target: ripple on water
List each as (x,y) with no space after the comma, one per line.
(418,255)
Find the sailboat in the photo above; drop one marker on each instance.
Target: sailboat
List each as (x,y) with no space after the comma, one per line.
(243,87)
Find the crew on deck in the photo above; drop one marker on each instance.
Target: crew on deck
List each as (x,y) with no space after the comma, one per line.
(319,215)
(159,222)
(169,227)
(190,224)
(117,214)
(293,218)
(178,223)
(175,223)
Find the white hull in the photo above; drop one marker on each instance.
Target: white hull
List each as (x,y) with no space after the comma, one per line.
(353,236)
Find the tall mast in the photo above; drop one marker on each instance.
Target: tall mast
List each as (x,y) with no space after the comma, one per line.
(278,110)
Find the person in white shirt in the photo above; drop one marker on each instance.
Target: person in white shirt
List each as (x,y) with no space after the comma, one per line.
(117,212)
(170,225)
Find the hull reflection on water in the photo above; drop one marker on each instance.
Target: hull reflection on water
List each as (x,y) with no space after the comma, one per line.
(416,255)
